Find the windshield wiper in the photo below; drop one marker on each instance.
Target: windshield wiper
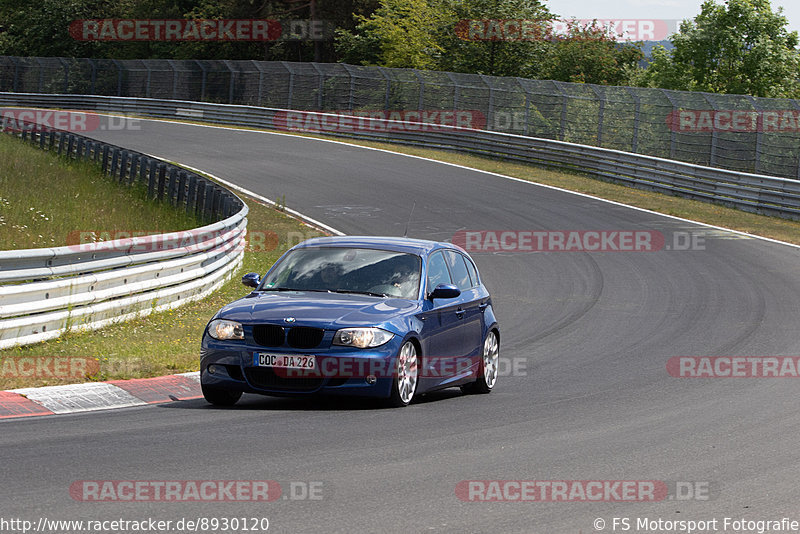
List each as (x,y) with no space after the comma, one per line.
(290,289)
(353,291)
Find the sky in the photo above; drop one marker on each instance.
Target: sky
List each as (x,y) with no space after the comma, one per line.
(652,9)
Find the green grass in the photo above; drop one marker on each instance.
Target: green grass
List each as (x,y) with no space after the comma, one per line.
(47,201)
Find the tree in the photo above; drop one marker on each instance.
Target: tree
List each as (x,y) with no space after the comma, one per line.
(400,33)
(589,54)
(425,34)
(740,47)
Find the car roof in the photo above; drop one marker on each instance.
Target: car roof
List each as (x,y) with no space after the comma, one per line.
(397,244)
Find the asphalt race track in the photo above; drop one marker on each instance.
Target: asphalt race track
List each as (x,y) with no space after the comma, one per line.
(591,398)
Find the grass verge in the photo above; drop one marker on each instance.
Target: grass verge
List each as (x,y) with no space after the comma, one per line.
(47,201)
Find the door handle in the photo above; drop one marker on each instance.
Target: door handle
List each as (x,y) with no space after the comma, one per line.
(460,313)
(483,306)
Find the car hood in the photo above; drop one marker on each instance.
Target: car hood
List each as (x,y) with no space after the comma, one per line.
(323,310)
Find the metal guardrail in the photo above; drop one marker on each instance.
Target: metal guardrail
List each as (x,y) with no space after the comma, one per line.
(757,193)
(46,292)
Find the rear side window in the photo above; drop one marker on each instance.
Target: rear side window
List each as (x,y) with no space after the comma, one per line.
(459,269)
(437,271)
(473,272)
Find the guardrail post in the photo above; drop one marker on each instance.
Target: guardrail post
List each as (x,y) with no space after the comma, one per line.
(215,206)
(153,179)
(60,143)
(114,162)
(181,188)
(172,184)
(79,148)
(104,159)
(52,139)
(142,169)
(42,139)
(208,208)
(201,197)
(123,166)
(70,145)
(162,171)
(191,194)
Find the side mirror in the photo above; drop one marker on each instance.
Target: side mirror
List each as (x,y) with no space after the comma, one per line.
(251,280)
(445,291)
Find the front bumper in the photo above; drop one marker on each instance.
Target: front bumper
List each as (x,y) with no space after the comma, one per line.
(339,370)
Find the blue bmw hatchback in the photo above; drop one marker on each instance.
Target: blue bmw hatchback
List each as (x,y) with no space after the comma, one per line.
(380,317)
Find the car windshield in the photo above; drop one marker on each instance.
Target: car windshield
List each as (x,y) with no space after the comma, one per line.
(347,270)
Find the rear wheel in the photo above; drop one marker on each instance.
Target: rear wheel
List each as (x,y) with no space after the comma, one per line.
(406,373)
(220,397)
(487,372)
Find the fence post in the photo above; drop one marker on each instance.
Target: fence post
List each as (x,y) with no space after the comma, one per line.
(600,113)
(759,128)
(637,108)
(421,81)
(563,132)
(94,76)
(41,75)
(321,87)
(673,133)
(119,76)
(66,74)
(291,85)
(388,92)
(202,80)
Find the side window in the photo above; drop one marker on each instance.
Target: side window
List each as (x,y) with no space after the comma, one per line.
(437,271)
(473,272)
(459,269)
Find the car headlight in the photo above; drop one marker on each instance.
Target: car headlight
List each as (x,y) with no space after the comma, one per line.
(224,329)
(361,337)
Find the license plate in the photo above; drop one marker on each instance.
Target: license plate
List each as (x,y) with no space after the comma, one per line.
(285,361)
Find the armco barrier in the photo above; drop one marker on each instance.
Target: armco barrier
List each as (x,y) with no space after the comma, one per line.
(750,192)
(45,292)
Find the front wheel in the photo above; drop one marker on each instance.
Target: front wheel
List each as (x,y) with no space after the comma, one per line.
(487,371)
(220,397)
(406,373)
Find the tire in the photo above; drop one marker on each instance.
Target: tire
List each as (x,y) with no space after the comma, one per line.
(487,372)
(220,397)
(406,375)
